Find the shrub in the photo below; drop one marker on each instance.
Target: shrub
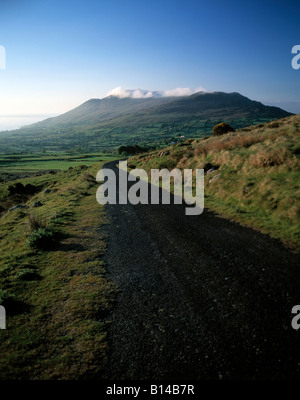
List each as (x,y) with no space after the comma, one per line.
(28,274)
(42,238)
(4,296)
(222,128)
(131,150)
(19,188)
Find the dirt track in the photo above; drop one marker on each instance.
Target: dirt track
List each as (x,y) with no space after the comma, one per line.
(200,297)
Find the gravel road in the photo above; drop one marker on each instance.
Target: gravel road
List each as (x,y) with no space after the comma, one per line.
(200,297)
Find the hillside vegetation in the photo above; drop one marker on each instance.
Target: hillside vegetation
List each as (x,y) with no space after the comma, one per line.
(52,278)
(251,175)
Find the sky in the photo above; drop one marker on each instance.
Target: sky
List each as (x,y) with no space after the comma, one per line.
(59,54)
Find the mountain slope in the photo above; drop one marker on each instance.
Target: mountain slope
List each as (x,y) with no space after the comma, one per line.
(207,105)
(129,111)
(106,124)
(96,111)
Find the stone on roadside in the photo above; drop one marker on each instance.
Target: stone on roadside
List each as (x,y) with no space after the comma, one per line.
(214,178)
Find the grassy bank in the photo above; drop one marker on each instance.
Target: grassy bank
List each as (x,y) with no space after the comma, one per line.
(251,175)
(52,279)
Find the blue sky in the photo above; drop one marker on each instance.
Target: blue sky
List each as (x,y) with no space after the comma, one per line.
(62,53)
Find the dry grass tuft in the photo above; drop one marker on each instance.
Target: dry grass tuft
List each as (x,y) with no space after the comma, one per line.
(229,143)
(36,222)
(270,157)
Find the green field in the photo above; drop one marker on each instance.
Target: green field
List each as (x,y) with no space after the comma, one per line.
(98,140)
(33,163)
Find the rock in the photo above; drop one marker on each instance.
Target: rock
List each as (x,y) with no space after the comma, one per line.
(17,207)
(37,204)
(47,190)
(214,178)
(210,171)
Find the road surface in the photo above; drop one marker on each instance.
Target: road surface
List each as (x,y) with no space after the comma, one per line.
(200,297)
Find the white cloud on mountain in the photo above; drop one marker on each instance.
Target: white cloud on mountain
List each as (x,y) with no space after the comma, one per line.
(145,94)
(134,94)
(183,91)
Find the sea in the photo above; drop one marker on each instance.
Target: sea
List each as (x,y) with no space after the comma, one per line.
(11,122)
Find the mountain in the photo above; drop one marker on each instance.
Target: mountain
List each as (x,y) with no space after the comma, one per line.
(130,111)
(97,111)
(110,122)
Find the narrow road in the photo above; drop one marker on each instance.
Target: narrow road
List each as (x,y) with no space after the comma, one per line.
(200,297)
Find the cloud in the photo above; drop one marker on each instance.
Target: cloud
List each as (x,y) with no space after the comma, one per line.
(133,93)
(146,94)
(182,91)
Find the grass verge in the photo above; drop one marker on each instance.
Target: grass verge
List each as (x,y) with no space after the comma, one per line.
(56,296)
(251,176)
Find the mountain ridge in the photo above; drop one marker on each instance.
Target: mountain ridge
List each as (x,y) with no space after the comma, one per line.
(108,123)
(200,104)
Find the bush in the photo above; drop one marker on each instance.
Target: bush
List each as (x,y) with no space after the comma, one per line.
(42,238)
(222,128)
(19,188)
(28,274)
(5,296)
(131,150)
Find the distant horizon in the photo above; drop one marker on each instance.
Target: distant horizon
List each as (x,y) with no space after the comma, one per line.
(13,122)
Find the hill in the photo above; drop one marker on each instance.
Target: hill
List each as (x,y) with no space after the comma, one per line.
(251,175)
(132,111)
(99,111)
(104,124)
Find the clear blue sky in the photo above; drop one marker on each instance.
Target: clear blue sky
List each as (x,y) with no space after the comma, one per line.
(61,53)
